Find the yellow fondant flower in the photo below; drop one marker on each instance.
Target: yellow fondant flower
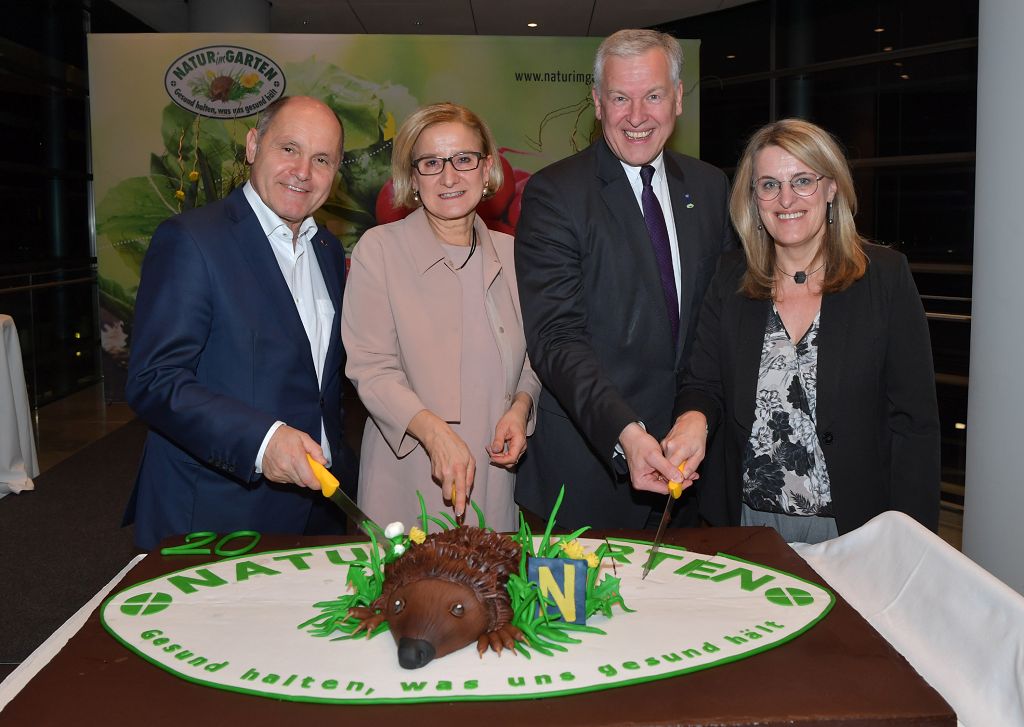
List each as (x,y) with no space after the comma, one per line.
(592,560)
(248,80)
(416,535)
(211,75)
(573,549)
(180,195)
(193,176)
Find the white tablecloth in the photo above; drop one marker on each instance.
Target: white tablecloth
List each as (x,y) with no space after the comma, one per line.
(18,463)
(957,624)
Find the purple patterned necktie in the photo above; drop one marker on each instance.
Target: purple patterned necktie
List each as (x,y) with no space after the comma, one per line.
(655,220)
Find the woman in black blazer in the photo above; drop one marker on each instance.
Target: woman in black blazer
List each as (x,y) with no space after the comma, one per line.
(812,358)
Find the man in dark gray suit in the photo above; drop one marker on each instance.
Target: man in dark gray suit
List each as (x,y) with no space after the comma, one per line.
(614,250)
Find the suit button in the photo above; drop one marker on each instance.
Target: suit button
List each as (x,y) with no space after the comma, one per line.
(321,403)
(827,437)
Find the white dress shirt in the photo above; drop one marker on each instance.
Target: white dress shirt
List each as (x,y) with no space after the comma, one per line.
(305,281)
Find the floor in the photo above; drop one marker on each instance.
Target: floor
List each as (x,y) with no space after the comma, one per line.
(66,426)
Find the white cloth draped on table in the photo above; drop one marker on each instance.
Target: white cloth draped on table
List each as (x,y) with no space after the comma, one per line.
(18,463)
(958,625)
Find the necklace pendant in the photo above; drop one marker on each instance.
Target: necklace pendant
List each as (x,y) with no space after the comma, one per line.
(800,277)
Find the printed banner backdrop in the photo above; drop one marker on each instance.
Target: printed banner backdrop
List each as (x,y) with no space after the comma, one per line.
(234,625)
(170,112)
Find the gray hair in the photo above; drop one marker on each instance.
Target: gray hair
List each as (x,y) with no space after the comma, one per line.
(267,116)
(634,42)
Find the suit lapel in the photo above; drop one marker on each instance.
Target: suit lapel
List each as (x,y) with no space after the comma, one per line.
(687,240)
(749,339)
(255,249)
(327,257)
(833,333)
(618,195)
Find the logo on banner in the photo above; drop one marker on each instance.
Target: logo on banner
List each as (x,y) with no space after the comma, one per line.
(224,82)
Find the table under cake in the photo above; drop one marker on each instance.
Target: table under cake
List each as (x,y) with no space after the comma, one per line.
(841,672)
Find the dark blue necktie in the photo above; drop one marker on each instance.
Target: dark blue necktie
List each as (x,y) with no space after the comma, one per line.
(655,220)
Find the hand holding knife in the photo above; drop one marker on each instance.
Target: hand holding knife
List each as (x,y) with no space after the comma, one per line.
(675,490)
(329,486)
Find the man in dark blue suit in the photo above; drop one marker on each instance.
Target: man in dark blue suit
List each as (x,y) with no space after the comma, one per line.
(236,360)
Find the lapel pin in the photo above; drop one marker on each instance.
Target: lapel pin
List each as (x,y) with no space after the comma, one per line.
(689,202)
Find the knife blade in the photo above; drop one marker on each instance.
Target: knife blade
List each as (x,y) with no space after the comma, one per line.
(675,489)
(329,487)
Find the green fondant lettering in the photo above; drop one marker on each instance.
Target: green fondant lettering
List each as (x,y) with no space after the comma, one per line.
(691,653)
(660,556)
(670,657)
(183,655)
(542,679)
(306,681)
(516,682)
(736,640)
(699,568)
(355,687)
(620,552)
(296,559)
(251,675)
(774,625)
(271,679)
(171,648)
(630,665)
(290,679)
(358,554)
(566,676)
(198,661)
(329,684)
(216,667)
(709,648)
(651,661)
(470,684)
(245,568)
(160,641)
(747,582)
(151,633)
(444,686)
(188,584)
(608,670)
(751,634)
(413,686)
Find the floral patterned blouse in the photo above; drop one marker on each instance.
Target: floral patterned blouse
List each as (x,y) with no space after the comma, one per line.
(783,466)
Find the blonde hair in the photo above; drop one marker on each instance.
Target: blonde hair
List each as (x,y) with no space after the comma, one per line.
(842,246)
(440,113)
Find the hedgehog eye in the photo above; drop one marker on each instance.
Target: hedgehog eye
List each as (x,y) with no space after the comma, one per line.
(458,610)
(398,606)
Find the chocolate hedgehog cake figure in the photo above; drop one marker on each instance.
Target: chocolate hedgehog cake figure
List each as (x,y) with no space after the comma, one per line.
(446,593)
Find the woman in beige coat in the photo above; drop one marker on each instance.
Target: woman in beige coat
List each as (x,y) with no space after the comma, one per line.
(434,335)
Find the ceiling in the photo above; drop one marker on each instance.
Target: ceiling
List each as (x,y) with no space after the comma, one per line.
(436,17)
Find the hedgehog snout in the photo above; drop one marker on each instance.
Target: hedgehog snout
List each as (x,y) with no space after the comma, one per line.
(414,653)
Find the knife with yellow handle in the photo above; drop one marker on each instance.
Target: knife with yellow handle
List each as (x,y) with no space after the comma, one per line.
(675,489)
(329,486)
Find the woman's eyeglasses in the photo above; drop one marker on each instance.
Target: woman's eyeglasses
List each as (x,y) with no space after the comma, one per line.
(464,161)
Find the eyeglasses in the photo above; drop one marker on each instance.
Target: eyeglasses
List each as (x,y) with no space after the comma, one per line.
(464,161)
(768,188)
